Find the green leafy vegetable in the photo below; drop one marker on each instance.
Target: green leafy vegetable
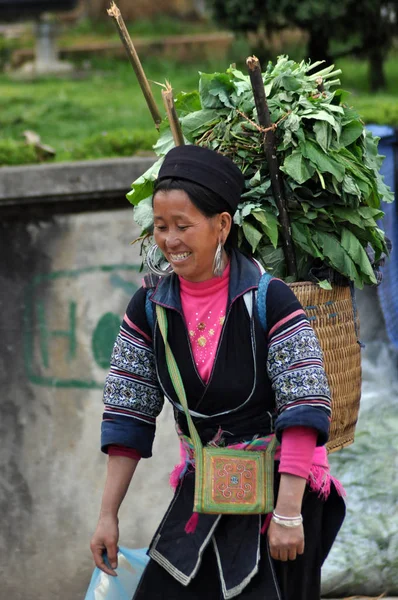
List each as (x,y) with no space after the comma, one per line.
(143,213)
(143,186)
(329,161)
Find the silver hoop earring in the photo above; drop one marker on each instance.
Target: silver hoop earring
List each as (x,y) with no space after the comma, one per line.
(156,262)
(218,268)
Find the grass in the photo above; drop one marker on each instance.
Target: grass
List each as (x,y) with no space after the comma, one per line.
(104,114)
(381,107)
(65,113)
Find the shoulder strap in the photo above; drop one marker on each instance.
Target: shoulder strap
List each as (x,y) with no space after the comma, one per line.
(262,299)
(150,282)
(176,378)
(149,309)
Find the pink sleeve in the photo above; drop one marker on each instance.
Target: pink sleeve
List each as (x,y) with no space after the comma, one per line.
(297,450)
(114,450)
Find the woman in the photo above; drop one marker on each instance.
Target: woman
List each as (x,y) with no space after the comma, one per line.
(241,383)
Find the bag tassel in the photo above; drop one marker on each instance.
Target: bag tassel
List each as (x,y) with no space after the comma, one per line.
(191,525)
(179,470)
(267,521)
(177,474)
(216,441)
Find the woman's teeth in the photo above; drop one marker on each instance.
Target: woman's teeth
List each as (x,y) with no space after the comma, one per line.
(181,256)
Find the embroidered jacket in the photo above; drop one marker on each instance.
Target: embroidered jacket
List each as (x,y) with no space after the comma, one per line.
(251,380)
(259,380)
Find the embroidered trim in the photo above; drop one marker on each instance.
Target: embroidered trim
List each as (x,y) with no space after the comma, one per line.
(139,396)
(235,591)
(133,356)
(292,315)
(126,412)
(295,368)
(136,328)
(132,383)
(176,573)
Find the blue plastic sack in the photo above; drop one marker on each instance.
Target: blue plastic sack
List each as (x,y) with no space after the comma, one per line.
(388,290)
(131,564)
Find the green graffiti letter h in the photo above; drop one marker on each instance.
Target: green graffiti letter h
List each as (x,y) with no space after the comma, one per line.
(45,334)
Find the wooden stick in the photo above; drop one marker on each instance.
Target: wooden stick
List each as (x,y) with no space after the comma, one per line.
(115,13)
(175,126)
(264,120)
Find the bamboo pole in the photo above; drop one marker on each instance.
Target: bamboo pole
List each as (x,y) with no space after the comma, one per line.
(115,13)
(264,120)
(175,126)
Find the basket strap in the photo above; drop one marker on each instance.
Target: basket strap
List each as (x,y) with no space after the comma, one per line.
(262,299)
(176,379)
(355,314)
(149,309)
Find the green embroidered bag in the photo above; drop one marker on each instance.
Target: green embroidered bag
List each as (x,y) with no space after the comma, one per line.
(227,481)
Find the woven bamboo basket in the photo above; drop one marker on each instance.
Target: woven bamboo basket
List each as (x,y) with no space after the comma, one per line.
(333,316)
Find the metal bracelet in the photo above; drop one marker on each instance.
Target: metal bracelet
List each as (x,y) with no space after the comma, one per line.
(290,522)
(283,518)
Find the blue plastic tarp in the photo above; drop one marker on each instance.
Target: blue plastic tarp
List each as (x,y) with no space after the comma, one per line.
(388,290)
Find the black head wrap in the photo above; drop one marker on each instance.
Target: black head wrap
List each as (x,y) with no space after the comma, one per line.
(206,168)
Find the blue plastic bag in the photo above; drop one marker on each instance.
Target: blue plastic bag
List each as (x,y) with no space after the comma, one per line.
(131,564)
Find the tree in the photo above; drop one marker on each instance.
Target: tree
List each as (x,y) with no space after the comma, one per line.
(372,22)
(376,22)
(367,26)
(321,19)
(251,16)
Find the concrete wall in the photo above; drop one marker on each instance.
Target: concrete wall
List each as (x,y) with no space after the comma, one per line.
(65,282)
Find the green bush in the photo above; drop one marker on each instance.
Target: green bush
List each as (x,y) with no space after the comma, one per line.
(16,153)
(108,144)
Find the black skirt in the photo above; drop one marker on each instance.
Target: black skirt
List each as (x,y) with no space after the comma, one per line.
(274,580)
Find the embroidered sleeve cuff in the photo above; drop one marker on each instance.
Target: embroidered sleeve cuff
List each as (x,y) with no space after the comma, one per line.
(125,431)
(305,416)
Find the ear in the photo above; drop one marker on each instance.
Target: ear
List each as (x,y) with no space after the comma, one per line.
(225,225)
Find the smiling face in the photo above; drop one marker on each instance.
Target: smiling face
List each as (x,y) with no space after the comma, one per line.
(187,238)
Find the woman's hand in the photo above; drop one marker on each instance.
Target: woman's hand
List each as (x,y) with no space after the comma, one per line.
(106,536)
(105,539)
(285,543)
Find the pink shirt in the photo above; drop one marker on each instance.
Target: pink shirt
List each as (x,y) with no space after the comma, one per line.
(204,305)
